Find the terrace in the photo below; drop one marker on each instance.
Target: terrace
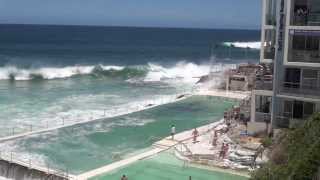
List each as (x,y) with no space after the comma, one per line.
(304,46)
(305,13)
(304,82)
(293,113)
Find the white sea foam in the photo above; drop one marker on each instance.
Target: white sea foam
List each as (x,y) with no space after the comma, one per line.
(252,45)
(183,71)
(8,72)
(186,72)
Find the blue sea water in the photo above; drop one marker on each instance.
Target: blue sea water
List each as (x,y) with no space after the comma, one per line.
(34,46)
(60,74)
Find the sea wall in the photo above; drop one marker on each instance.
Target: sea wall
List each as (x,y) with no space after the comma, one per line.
(15,171)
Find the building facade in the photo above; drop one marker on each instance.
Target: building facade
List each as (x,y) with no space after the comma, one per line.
(287,89)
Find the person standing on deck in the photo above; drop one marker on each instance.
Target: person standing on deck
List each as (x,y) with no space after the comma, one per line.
(173,131)
(215,138)
(195,134)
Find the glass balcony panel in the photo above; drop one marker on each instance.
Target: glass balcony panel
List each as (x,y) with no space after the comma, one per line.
(305,47)
(271,12)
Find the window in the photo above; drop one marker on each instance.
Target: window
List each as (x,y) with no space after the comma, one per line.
(298,109)
(308,109)
(309,79)
(292,78)
(310,43)
(298,42)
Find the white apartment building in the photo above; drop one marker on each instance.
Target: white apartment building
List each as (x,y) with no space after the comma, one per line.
(288,91)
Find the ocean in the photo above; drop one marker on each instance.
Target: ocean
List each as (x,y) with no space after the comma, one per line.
(57,75)
(50,74)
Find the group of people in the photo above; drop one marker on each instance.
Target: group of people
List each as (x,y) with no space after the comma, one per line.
(195,133)
(124,177)
(224,148)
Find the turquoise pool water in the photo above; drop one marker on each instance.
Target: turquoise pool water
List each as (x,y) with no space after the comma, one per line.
(166,167)
(88,146)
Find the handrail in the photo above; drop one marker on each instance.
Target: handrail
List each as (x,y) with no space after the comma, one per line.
(30,128)
(11,158)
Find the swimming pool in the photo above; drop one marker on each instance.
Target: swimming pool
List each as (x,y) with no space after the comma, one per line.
(165,166)
(84,147)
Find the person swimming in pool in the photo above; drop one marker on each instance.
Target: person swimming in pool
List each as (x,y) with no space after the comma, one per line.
(124,177)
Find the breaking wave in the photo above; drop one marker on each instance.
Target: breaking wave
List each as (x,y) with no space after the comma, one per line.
(48,73)
(251,45)
(182,71)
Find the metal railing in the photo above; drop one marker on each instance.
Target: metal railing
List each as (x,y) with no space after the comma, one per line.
(11,157)
(311,19)
(25,129)
(308,90)
(304,56)
(269,53)
(282,121)
(263,85)
(262,117)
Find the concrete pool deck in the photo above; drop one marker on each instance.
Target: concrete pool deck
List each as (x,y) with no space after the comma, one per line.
(227,94)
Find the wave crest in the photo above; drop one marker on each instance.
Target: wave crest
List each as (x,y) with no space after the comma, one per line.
(251,45)
(48,73)
(182,71)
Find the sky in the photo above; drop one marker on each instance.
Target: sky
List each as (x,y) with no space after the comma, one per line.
(234,14)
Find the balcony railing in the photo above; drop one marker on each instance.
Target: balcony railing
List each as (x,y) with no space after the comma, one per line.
(311,19)
(287,121)
(262,117)
(269,53)
(304,56)
(282,121)
(271,19)
(263,85)
(305,89)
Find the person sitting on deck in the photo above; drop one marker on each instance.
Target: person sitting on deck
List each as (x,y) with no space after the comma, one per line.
(124,177)
(195,134)
(173,131)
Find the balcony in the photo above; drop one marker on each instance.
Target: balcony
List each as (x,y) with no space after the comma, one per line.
(304,56)
(269,53)
(262,117)
(305,89)
(270,12)
(264,80)
(282,121)
(305,13)
(271,20)
(306,20)
(263,85)
(286,121)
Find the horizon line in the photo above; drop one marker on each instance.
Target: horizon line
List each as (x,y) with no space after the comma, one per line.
(124,26)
